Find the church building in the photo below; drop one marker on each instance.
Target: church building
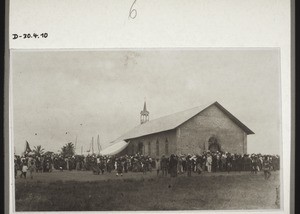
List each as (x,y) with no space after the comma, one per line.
(191,131)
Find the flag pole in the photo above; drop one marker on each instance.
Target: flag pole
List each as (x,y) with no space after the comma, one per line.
(75,143)
(92,145)
(25,147)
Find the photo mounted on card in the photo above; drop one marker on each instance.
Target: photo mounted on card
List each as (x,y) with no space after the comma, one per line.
(109,128)
(132,113)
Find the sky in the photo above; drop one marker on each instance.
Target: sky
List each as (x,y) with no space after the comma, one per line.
(59,96)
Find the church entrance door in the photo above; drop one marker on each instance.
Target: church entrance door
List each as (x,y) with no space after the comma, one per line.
(214,146)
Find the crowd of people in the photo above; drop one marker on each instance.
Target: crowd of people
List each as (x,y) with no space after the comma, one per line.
(166,165)
(219,162)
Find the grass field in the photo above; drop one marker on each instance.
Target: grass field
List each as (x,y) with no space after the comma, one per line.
(79,191)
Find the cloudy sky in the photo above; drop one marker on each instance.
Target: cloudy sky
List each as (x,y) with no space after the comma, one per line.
(58,95)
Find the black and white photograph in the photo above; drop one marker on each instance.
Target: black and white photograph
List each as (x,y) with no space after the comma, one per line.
(146,129)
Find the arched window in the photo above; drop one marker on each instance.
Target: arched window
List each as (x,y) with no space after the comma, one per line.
(167,147)
(141,148)
(149,148)
(157,148)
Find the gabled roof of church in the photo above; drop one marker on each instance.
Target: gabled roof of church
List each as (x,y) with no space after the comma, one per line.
(172,121)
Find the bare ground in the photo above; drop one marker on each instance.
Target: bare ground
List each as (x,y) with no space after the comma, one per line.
(79,191)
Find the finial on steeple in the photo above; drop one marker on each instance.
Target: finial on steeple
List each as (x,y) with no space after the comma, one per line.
(145,107)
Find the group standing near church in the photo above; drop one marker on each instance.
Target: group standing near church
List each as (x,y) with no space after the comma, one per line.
(172,165)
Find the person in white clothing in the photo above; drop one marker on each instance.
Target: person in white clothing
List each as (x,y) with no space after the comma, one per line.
(24,170)
(209,162)
(157,166)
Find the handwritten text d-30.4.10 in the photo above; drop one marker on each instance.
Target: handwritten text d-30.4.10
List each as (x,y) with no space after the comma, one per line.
(29,36)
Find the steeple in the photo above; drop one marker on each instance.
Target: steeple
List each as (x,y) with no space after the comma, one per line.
(144,114)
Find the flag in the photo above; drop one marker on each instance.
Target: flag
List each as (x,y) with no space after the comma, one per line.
(27,148)
(98,143)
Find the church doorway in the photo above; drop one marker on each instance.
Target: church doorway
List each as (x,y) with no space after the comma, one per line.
(140,148)
(214,146)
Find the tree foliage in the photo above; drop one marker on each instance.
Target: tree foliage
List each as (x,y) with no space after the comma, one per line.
(48,153)
(38,150)
(68,150)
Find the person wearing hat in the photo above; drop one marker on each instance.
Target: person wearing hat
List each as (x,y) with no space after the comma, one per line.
(266,168)
(119,167)
(31,168)
(223,162)
(199,164)
(157,166)
(214,162)
(189,166)
(125,163)
(173,166)
(183,163)
(254,164)
(164,166)
(109,165)
(102,165)
(144,165)
(229,162)
(24,170)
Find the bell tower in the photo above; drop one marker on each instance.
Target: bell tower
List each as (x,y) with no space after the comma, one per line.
(144,114)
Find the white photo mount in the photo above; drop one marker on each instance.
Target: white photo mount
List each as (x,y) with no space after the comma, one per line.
(157,25)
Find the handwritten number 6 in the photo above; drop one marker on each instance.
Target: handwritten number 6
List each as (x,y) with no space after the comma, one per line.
(133,12)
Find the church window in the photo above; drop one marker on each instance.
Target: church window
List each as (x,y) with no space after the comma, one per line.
(149,148)
(157,148)
(141,148)
(167,147)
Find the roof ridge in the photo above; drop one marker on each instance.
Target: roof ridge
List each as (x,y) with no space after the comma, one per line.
(171,121)
(177,113)
(201,107)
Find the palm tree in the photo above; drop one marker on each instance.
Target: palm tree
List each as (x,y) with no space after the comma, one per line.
(38,150)
(68,150)
(48,153)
